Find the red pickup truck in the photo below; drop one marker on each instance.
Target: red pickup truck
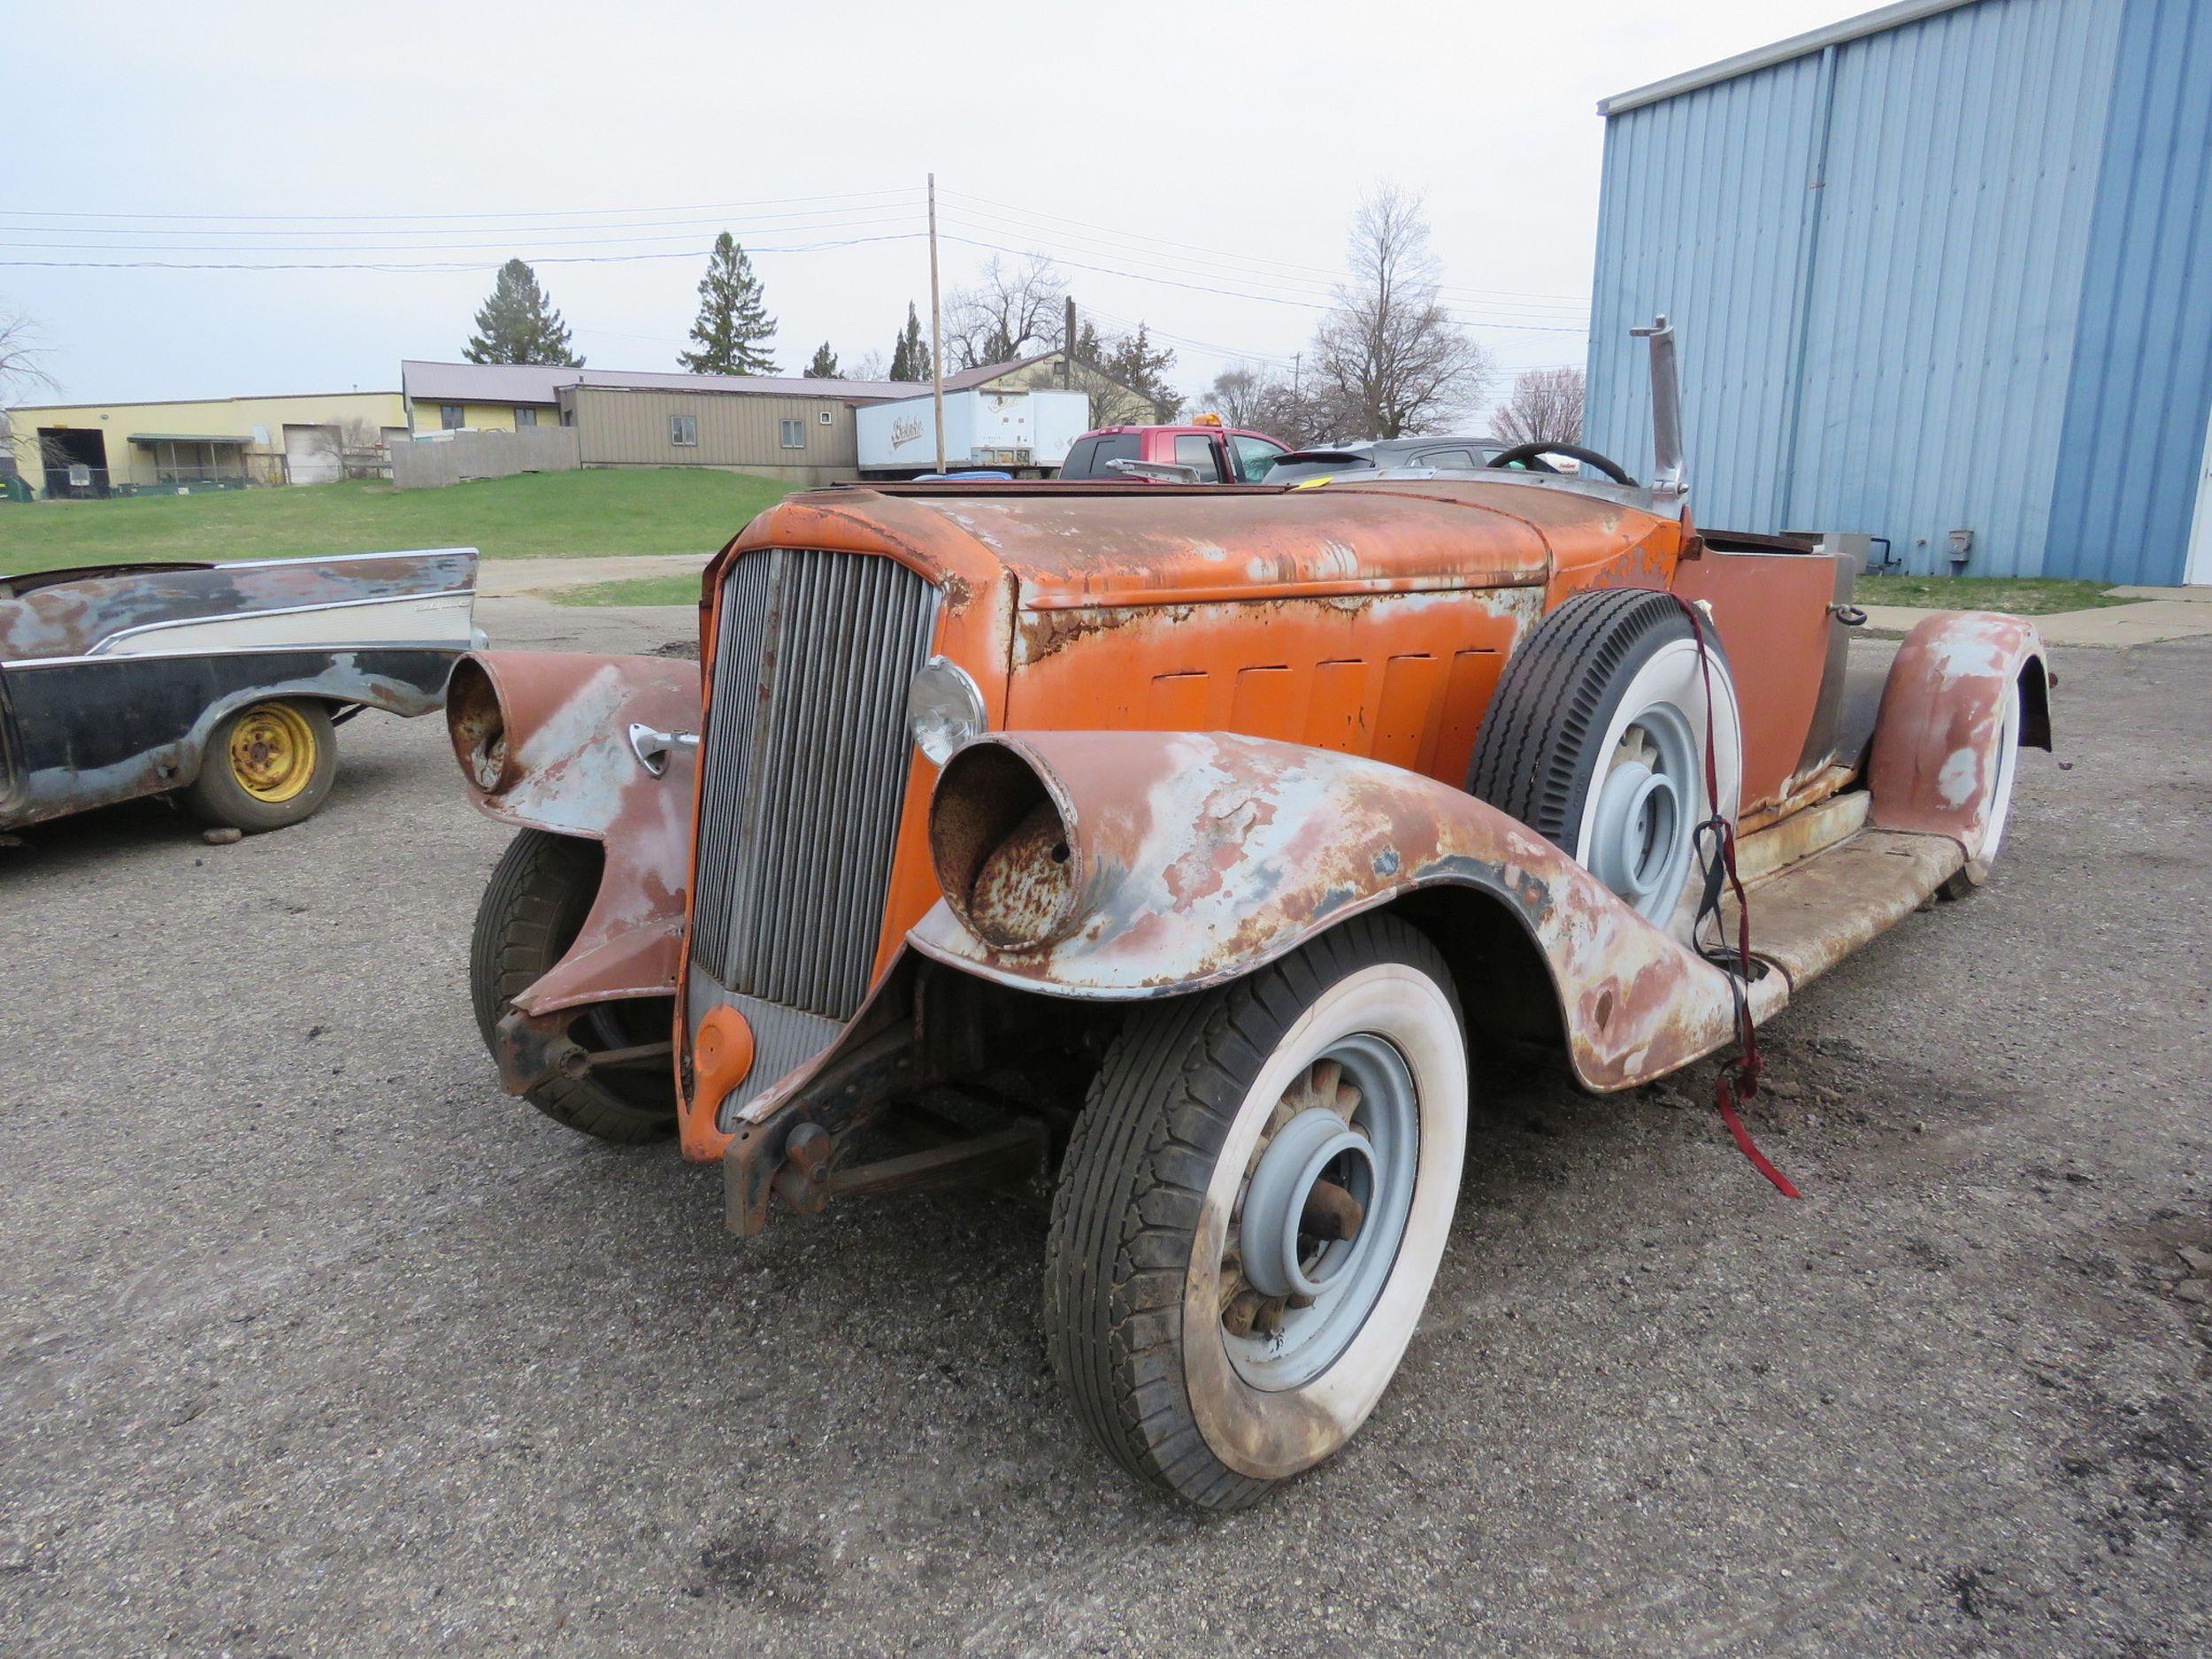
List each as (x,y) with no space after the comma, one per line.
(1218,454)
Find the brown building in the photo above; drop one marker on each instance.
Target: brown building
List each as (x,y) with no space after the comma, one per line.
(778,426)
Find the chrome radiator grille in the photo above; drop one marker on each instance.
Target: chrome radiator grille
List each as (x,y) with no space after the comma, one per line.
(803,774)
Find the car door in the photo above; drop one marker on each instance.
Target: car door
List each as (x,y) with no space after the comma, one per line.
(1205,452)
(11,780)
(1255,457)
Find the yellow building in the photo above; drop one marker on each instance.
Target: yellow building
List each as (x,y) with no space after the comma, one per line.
(202,443)
(482,396)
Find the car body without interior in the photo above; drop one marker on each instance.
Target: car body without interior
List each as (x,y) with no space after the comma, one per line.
(1203,846)
(221,684)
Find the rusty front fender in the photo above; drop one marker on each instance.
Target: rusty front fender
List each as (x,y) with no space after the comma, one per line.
(1935,766)
(543,742)
(1190,859)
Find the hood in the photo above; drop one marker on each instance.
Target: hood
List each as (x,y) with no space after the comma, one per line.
(1067,547)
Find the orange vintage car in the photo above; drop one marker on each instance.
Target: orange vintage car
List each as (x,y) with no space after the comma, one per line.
(1194,849)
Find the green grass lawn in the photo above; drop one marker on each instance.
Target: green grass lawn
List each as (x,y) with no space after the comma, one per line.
(2022,596)
(642,590)
(655,509)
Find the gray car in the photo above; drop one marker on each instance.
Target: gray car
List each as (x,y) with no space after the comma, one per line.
(1456,454)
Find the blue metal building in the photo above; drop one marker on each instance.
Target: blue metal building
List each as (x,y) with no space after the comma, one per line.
(1941,273)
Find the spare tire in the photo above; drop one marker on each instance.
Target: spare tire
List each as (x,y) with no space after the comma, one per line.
(1595,740)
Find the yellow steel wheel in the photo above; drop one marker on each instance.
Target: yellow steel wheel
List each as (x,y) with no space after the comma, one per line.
(272,751)
(266,766)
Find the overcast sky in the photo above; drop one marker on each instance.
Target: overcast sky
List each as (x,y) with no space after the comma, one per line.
(1194,167)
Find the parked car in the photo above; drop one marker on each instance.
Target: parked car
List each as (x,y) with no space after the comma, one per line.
(1213,454)
(1198,851)
(219,684)
(1458,454)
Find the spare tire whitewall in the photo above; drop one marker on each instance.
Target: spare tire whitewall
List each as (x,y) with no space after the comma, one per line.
(1596,738)
(1648,792)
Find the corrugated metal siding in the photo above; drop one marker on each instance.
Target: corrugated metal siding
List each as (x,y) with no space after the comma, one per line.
(631,428)
(1700,217)
(2141,390)
(1877,260)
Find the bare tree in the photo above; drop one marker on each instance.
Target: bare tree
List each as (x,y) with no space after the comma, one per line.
(21,373)
(1263,400)
(1546,408)
(1238,394)
(1012,310)
(868,366)
(1388,356)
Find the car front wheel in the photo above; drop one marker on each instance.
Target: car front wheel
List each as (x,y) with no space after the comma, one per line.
(1253,1209)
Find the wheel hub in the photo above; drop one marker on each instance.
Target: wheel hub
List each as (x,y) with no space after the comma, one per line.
(1642,833)
(272,752)
(1322,1211)
(1304,1209)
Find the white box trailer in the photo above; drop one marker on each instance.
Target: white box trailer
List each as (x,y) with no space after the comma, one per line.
(1026,433)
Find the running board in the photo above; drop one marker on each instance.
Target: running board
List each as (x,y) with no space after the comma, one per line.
(1811,914)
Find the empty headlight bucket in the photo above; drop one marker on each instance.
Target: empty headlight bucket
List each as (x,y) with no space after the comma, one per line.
(476,721)
(1000,838)
(944,709)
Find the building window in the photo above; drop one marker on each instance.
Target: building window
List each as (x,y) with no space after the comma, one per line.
(525,417)
(683,431)
(795,434)
(450,417)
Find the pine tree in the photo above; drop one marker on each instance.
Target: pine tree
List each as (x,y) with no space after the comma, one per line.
(518,324)
(824,367)
(909,357)
(1134,362)
(732,328)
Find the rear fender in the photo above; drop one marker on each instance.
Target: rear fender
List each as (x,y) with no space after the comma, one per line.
(1933,764)
(543,743)
(1193,859)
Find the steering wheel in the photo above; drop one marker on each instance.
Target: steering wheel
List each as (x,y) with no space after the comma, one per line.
(1531,456)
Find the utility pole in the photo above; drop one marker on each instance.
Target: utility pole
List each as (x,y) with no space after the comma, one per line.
(1067,349)
(936,330)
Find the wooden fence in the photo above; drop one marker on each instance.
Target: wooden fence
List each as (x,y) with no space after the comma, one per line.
(454,458)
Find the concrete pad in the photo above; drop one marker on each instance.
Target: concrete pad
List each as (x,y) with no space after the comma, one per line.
(501,577)
(2191,596)
(2115,627)
(522,622)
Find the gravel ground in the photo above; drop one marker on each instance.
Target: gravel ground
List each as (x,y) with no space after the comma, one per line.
(316,1343)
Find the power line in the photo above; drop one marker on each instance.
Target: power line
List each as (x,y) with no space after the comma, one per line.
(774,223)
(449,266)
(508,245)
(1201,288)
(1333,276)
(304,219)
(1275,291)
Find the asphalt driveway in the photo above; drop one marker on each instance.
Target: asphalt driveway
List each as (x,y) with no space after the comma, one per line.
(314,1342)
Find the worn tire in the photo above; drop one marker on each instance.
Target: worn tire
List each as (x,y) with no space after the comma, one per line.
(219,796)
(1601,659)
(1130,1237)
(531,911)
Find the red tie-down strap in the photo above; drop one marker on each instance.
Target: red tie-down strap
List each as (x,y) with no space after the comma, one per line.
(1739,1078)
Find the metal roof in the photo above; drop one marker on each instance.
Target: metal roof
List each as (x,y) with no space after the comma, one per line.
(185,437)
(1888,17)
(427,382)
